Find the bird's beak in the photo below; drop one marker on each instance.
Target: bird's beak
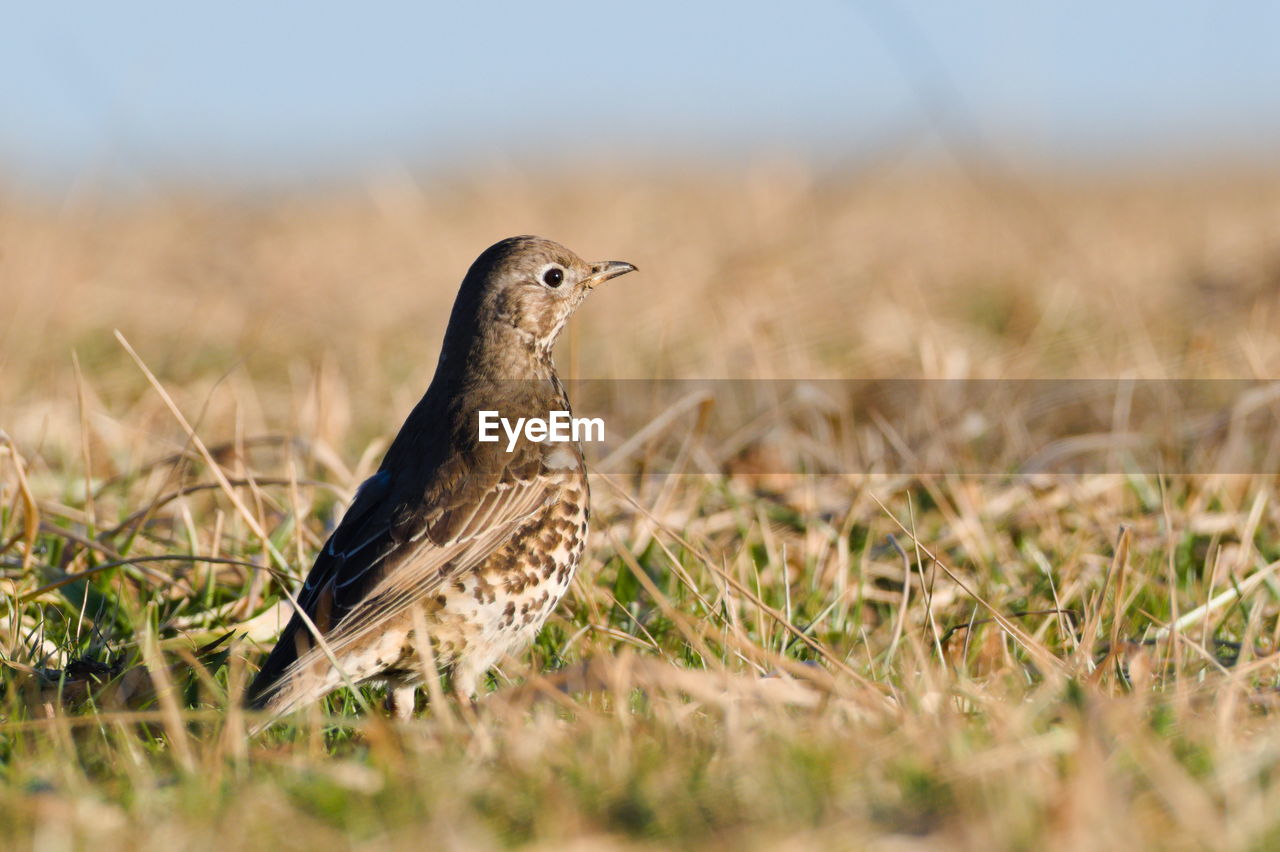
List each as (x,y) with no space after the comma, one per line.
(603,271)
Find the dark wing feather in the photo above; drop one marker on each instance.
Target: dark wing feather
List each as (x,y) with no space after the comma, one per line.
(364,527)
(362,536)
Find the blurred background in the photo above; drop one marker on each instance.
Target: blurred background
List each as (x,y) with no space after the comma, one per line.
(244,95)
(279,199)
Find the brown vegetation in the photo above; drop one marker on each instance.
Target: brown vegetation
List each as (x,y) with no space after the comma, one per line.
(1084,661)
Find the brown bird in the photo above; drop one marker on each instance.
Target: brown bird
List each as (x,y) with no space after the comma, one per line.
(475,542)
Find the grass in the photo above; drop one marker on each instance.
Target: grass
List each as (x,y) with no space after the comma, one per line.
(749,657)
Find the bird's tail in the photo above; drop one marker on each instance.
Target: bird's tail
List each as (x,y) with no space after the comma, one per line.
(290,677)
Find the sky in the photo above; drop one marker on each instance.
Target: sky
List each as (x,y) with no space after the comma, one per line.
(267,91)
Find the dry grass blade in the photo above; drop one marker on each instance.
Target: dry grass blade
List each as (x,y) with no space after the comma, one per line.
(170,713)
(30,512)
(742,589)
(246,515)
(1043,657)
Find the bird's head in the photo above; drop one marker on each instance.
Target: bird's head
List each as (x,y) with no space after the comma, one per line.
(521,291)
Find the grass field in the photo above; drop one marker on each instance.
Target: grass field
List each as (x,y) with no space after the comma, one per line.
(749,657)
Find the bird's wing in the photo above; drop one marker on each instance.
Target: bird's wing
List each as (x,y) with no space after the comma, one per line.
(393,548)
(445,543)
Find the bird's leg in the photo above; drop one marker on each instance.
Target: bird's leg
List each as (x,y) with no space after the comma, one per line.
(400,702)
(465,682)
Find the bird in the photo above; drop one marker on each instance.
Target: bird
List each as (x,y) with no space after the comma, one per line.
(473,542)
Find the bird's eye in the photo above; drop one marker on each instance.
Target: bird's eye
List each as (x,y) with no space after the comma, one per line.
(553,276)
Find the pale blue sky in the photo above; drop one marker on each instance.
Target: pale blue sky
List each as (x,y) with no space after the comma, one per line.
(244,91)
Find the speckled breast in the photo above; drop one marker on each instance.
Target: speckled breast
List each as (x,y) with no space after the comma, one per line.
(499,607)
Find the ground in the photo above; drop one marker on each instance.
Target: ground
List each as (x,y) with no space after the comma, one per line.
(852,656)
